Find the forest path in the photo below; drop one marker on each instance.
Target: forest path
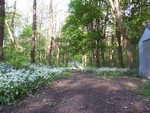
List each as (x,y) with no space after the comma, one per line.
(85,93)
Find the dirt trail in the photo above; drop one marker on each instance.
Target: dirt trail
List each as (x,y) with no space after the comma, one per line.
(85,93)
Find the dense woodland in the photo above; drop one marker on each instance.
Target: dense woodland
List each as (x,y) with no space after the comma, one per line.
(101,33)
(46,42)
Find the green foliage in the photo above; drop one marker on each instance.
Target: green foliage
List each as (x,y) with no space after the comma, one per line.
(145,89)
(27,32)
(84,28)
(16,58)
(90,25)
(89,28)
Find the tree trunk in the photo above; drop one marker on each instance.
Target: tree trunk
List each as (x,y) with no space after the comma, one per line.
(97,54)
(103,58)
(49,57)
(111,57)
(2,24)
(58,53)
(50,46)
(13,16)
(39,36)
(117,13)
(10,33)
(84,60)
(58,45)
(94,56)
(33,32)
(120,54)
(66,57)
(67,54)
(90,58)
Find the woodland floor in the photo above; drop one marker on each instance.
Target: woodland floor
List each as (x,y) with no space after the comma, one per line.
(85,93)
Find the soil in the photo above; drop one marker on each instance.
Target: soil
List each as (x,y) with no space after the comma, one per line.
(85,93)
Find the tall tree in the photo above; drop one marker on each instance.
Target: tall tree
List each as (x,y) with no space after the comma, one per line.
(33,33)
(2,23)
(10,28)
(51,27)
(13,16)
(117,13)
(120,52)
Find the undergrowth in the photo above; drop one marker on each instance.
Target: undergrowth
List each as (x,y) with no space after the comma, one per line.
(17,83)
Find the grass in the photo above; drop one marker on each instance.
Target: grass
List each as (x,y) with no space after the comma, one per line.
(145,89)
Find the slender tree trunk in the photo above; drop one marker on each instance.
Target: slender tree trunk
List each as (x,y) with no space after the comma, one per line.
(11,28)
(94,56)
(103,57)
(97,54)
(40,33)
(117,13)
(50,52)
(13,16)
(33,33)
(66,57)
(67,54)
(120,53)
(58,53)
(10,33)
(90,58)
(58,45)
(2,24)
(50,46)
(112,52)
(84,60)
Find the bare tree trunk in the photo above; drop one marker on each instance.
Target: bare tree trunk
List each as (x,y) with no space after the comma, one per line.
(84,60)
(50,46)
(117,13)
(33,33)
(120,54)
(66,56)
(94,56)
(10,33)
(90,58)
(13,16)
(11,29)
(103,57)
(2,24)
(112,52)
(58,45)
(39,29)
(49,57)
(97,54)
(58,52)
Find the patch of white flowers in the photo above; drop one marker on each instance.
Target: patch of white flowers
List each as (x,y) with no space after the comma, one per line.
(104,69)
(78,66)
(15,83)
